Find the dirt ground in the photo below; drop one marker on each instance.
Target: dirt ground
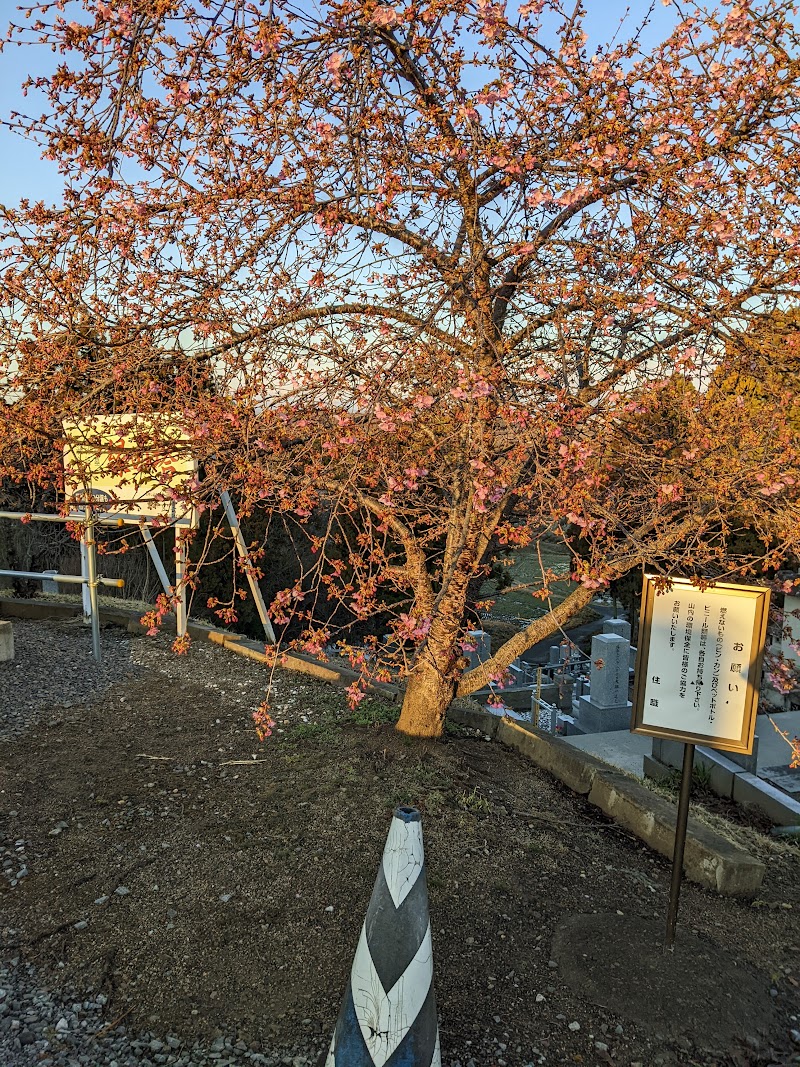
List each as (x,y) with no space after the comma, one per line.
(219,885)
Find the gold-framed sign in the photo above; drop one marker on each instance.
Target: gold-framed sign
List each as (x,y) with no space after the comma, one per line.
(135,464)
(699,661)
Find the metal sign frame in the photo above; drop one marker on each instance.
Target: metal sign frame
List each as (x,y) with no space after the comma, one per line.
(750,647)
(90,580)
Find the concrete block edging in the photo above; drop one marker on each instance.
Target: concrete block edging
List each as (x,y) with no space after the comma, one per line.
(710,860)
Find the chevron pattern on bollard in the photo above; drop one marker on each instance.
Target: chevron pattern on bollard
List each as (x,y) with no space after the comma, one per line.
(388,1017)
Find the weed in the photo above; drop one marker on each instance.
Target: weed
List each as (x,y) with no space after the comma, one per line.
(474,802)
(310,731)
(701,779)
(701,776)
(401,798)
(435,803)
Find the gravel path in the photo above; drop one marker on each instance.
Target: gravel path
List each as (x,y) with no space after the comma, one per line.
(38,1027)
(52,666)
(53,670)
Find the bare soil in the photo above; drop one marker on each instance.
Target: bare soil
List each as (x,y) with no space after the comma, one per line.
(223,883)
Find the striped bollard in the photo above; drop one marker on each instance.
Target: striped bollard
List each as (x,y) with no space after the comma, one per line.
(388,1015)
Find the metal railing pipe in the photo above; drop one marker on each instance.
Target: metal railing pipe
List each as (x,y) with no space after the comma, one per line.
(67,579)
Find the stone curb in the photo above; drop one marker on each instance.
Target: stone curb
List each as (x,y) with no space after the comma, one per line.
(710,860)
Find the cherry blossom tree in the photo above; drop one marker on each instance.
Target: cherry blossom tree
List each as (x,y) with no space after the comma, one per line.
(460,280)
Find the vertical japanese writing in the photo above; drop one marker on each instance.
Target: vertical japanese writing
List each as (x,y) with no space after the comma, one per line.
(673,623)
(720,640)
(687,641)
(701,655)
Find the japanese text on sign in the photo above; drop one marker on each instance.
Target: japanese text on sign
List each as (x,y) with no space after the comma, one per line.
(701,656)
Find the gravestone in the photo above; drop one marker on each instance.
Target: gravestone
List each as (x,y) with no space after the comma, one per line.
(618,626)
(49,586)
(581,688)
(606,707)
(565,684)
(482,650)
(6,642)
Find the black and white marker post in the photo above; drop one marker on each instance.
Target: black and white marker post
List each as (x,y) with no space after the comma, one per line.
(388,1015)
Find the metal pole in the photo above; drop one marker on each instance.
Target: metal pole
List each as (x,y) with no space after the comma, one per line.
(68,579)
(34,516)
(241,547)
(85,600)
(159,566)
(680,842)
(37,516)
(91,566)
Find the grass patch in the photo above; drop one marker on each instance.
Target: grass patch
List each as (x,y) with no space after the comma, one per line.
(525,570)
(372,713)
(474,802)
(311,731)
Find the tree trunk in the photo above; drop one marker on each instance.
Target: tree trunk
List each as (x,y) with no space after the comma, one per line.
(432,682)
(427,697)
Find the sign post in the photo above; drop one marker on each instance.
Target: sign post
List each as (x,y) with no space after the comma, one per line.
(681,821)
(697,680)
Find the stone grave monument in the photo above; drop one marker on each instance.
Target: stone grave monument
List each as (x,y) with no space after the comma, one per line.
(623,628)
(618,626)
(482,650)
(606,707)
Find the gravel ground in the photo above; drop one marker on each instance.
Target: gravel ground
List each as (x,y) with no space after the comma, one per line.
(52,669)
(37,1027)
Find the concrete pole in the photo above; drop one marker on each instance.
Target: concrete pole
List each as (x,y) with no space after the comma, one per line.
(181,614)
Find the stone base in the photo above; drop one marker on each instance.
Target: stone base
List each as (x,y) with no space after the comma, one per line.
(6,642)
(671,753)
(596,720)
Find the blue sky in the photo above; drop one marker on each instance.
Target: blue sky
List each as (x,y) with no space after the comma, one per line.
(24,174)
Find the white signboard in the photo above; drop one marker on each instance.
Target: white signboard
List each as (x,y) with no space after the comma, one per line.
(132,464)
(699,663)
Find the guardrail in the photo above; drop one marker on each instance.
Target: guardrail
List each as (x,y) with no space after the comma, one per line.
(91,580)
